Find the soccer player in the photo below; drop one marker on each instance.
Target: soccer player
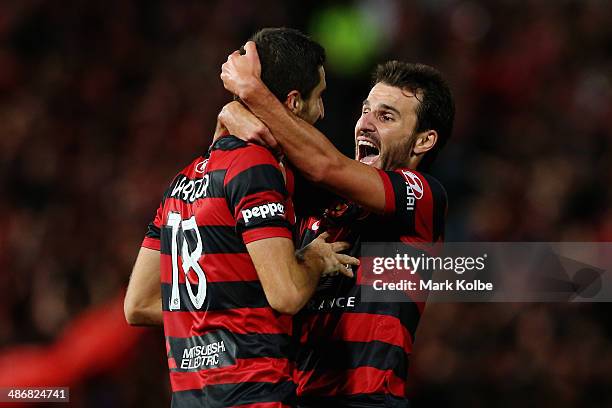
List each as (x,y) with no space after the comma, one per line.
(353,353)
(230,279)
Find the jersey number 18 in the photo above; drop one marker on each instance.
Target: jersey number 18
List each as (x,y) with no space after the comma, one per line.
(186,232)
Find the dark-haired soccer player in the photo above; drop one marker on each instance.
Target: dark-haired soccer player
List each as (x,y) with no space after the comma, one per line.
(229,277)
(354,353)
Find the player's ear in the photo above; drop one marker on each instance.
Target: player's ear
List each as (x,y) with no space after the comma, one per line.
(425,141)
(294,101)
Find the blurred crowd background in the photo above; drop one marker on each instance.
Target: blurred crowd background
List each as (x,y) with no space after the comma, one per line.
(102,102)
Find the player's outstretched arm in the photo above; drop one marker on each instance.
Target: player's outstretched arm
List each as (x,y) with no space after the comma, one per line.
(142,305)
(289,279)
(307,148)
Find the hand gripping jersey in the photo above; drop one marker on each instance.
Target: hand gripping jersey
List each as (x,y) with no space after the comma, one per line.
(226,346)
(353,353)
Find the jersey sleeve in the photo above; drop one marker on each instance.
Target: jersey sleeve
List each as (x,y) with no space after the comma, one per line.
(417,202)
(257,195)
(152,236)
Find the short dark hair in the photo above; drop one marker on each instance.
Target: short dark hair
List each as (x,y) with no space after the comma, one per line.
(436,109)
(290,60)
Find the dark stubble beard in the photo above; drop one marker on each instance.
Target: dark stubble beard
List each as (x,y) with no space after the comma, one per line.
(399,155)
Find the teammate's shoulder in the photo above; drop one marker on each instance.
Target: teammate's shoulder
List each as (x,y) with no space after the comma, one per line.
(231,143)
(418,179)
(228,143)
(194,170)
(197,165)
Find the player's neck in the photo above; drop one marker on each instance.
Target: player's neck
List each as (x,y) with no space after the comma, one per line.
(413,162)
(220,131)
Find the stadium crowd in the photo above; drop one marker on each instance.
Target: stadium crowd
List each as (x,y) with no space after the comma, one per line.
(102,102)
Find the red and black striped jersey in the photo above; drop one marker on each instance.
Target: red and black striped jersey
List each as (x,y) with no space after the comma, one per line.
(354,353)
(226,346)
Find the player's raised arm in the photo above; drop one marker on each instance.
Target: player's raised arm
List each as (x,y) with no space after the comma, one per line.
(259,201)
(307,148)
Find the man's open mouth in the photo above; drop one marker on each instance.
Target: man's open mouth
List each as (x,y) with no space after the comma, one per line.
(367,150)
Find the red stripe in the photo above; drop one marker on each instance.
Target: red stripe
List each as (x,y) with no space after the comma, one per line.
(263,320)
(361,380)
(157,221)
(359,273)
(171,363)
(228,267)
(257,199)
(214,211)
(359,327)
(265,369)
(252,155)
(217,267)
(220,160)
(264,405)
(151,243)
(252,235)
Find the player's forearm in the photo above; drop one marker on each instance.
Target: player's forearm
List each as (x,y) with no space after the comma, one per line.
(287,284)
(304,272)
(144,314)
(299,290)
(307,148)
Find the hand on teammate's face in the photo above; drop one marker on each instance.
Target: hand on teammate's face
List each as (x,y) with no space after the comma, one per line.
(334,261)
(240,72)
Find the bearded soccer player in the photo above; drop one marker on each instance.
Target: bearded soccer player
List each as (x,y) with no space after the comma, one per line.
(353,353)
(229,277)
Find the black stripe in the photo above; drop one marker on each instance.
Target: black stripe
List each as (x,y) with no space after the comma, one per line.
(439,206)
(169,189)
(252,345)
(310,199)
(228,143)
(216,239)
(191,189)
(152,231)
(344,355)
(256,223)
(407,312)
(229,395)
(406,217)
(255,179)
(215,185)
(219,296)
(209,351)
